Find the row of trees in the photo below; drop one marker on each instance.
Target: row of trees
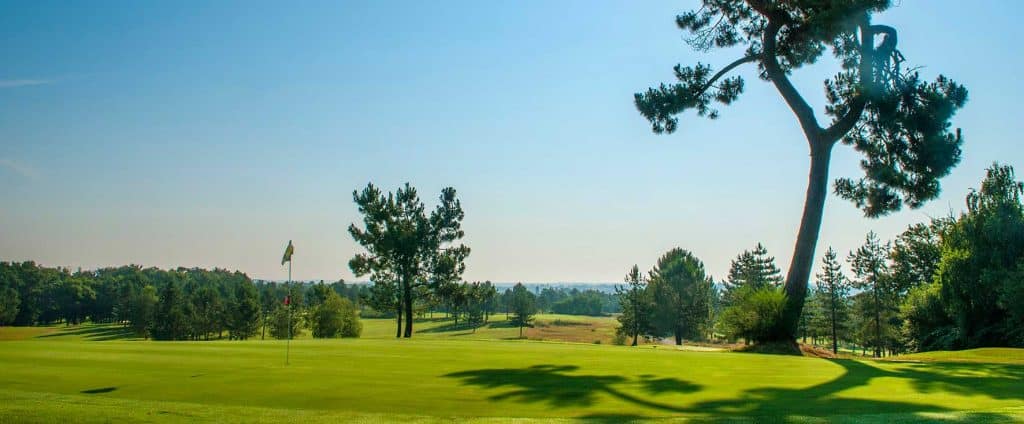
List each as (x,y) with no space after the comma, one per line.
(178,304)
(415,261)
(573,301)
(952,283)
(676,299)
(473,302)
(955,282)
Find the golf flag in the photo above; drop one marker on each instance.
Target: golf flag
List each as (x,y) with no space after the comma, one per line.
(288,253)
(287,300)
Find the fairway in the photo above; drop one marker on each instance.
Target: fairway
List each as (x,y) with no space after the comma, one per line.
(72,376)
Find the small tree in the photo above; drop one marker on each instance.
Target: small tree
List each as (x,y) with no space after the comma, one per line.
(208,312)
(869,263)
(756,315)
(244,313)
(812,317)
(506,302)
(523,307)
(142,309)
(682,295)
(286,321)
(335,317)
(834,292)
(636,305)
(753,268)
(8,304)
(169,320)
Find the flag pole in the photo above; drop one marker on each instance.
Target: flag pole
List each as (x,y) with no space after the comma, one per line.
(288,344)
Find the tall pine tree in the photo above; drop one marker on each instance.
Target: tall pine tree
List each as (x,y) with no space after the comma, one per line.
(870,266)
(833,295)
(754,269)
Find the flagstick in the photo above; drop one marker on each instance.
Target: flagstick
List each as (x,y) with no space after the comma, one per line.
(288,344)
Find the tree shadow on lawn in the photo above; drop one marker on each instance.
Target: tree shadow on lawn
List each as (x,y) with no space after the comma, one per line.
(560,387)
(552,384)
(447,328)
(94,332)
(99,390)
(462,327)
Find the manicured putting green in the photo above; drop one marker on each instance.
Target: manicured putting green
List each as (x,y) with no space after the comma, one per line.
(59,378)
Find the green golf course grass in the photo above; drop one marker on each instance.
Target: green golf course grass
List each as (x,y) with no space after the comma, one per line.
(92,374)
(988,355)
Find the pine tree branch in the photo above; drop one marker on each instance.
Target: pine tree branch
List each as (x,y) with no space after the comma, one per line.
(725,70)
(796,102)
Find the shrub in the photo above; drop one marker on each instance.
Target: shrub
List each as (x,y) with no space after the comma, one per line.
(336,317)
(754,315)
(279,322)
(928,325)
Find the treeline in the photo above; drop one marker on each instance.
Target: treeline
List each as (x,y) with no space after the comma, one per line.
(952,283)
(573,301)
(178,304)
(470,304)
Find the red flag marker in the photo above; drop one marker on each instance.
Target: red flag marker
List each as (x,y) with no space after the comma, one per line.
(287,300)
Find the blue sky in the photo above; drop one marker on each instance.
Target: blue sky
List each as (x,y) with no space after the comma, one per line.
(211,133)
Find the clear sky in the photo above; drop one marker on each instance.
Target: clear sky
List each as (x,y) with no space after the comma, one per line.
(210,133)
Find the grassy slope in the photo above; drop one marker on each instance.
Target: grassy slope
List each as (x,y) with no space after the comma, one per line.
(52,378)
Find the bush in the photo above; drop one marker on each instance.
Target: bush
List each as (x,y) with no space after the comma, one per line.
(754,315)
(279,320)
(619,339)
(336,317)
(928,325)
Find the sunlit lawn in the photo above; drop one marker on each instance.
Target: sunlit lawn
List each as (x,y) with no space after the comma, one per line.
(547,327)
(434,377)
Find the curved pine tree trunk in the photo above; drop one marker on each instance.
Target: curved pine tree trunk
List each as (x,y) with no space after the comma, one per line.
(807,237)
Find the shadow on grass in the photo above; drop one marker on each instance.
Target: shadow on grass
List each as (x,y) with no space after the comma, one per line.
(561,386)
(99,390)
(462,326)
(93,332)
(553,384)
(447,328)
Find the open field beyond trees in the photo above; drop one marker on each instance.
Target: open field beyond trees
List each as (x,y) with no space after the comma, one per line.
(93,374)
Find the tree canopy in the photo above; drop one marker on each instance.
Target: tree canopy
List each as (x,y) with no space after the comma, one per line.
(683,295)
(404,242)
(523,307)
(636,305)
(981,271)
(833,296)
